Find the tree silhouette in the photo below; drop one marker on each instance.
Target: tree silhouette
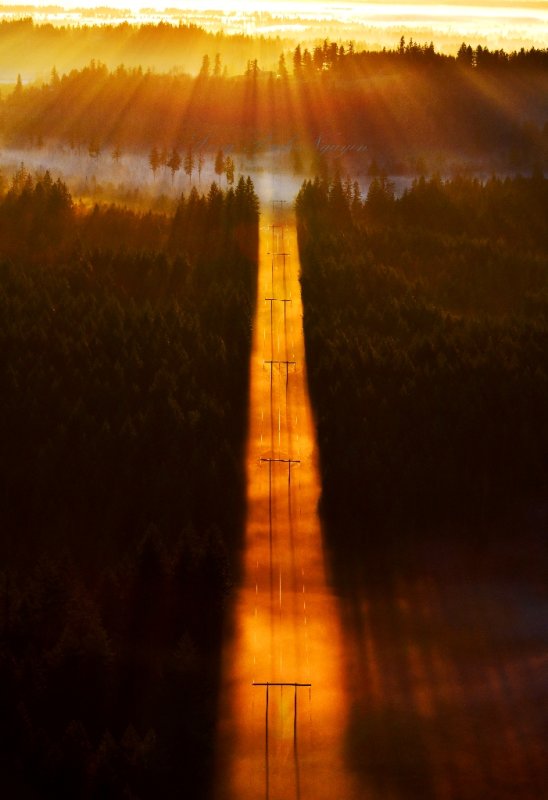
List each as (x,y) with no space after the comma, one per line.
(205,68)
(154,161)
(189,162)
(282,69)
(297,61)
(217,66)
(174,163)
(229,170)
(200,164)
(219,163)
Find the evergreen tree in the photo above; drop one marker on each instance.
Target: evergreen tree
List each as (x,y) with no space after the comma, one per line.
(217,70)
(200,164)
(174,163)
(189,162)
(205,68)
(219,163)
(282,69)
(154,161)
(229,170)
(297,61)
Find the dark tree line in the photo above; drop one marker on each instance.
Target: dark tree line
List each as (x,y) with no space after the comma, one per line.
(348,62)
(426,330)
(125,342)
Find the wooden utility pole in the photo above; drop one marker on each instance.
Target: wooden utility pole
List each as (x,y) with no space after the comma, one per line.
(267,685)
(277,227)
(270,253)
(288,461)
(281,253)
(271,300)
(270,461)
(287,365)
(285,301)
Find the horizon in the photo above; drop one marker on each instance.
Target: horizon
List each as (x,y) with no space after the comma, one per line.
(497,24)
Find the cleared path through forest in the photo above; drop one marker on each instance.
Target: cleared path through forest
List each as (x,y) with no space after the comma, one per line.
(282,742)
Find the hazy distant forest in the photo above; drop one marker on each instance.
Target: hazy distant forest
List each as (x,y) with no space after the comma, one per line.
(125,337)
(162,47)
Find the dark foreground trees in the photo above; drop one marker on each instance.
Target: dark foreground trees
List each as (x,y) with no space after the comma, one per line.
(125,344)
(426,324)
(426,331)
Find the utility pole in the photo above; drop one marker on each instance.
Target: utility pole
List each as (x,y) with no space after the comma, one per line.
(270,300)
(287,365)
(269,253)
(267,685)
(288,461)
(284,257)
(276,227)
(283,300)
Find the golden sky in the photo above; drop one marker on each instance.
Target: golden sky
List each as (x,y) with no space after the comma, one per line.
(511,7)
(507,23)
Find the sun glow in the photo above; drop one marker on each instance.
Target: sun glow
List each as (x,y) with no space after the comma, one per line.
(497,22)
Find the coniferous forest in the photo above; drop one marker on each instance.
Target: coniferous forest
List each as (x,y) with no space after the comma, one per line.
(125,341)
(426,333)
(406,109)
(127,382)
(427,346)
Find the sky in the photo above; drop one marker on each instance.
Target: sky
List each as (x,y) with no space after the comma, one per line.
(511,7)
(507,23)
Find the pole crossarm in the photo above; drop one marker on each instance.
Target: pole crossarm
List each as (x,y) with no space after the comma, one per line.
(280,683)
(272,300)
(286,364)
(281,461)
(294,685)
(278,299)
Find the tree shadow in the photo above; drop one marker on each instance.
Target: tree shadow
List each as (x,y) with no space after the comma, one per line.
(385,750)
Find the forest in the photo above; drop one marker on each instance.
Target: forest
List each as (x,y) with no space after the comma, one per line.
(124,380)
(125,342)
(162,46)
(426,331)
(406,110)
